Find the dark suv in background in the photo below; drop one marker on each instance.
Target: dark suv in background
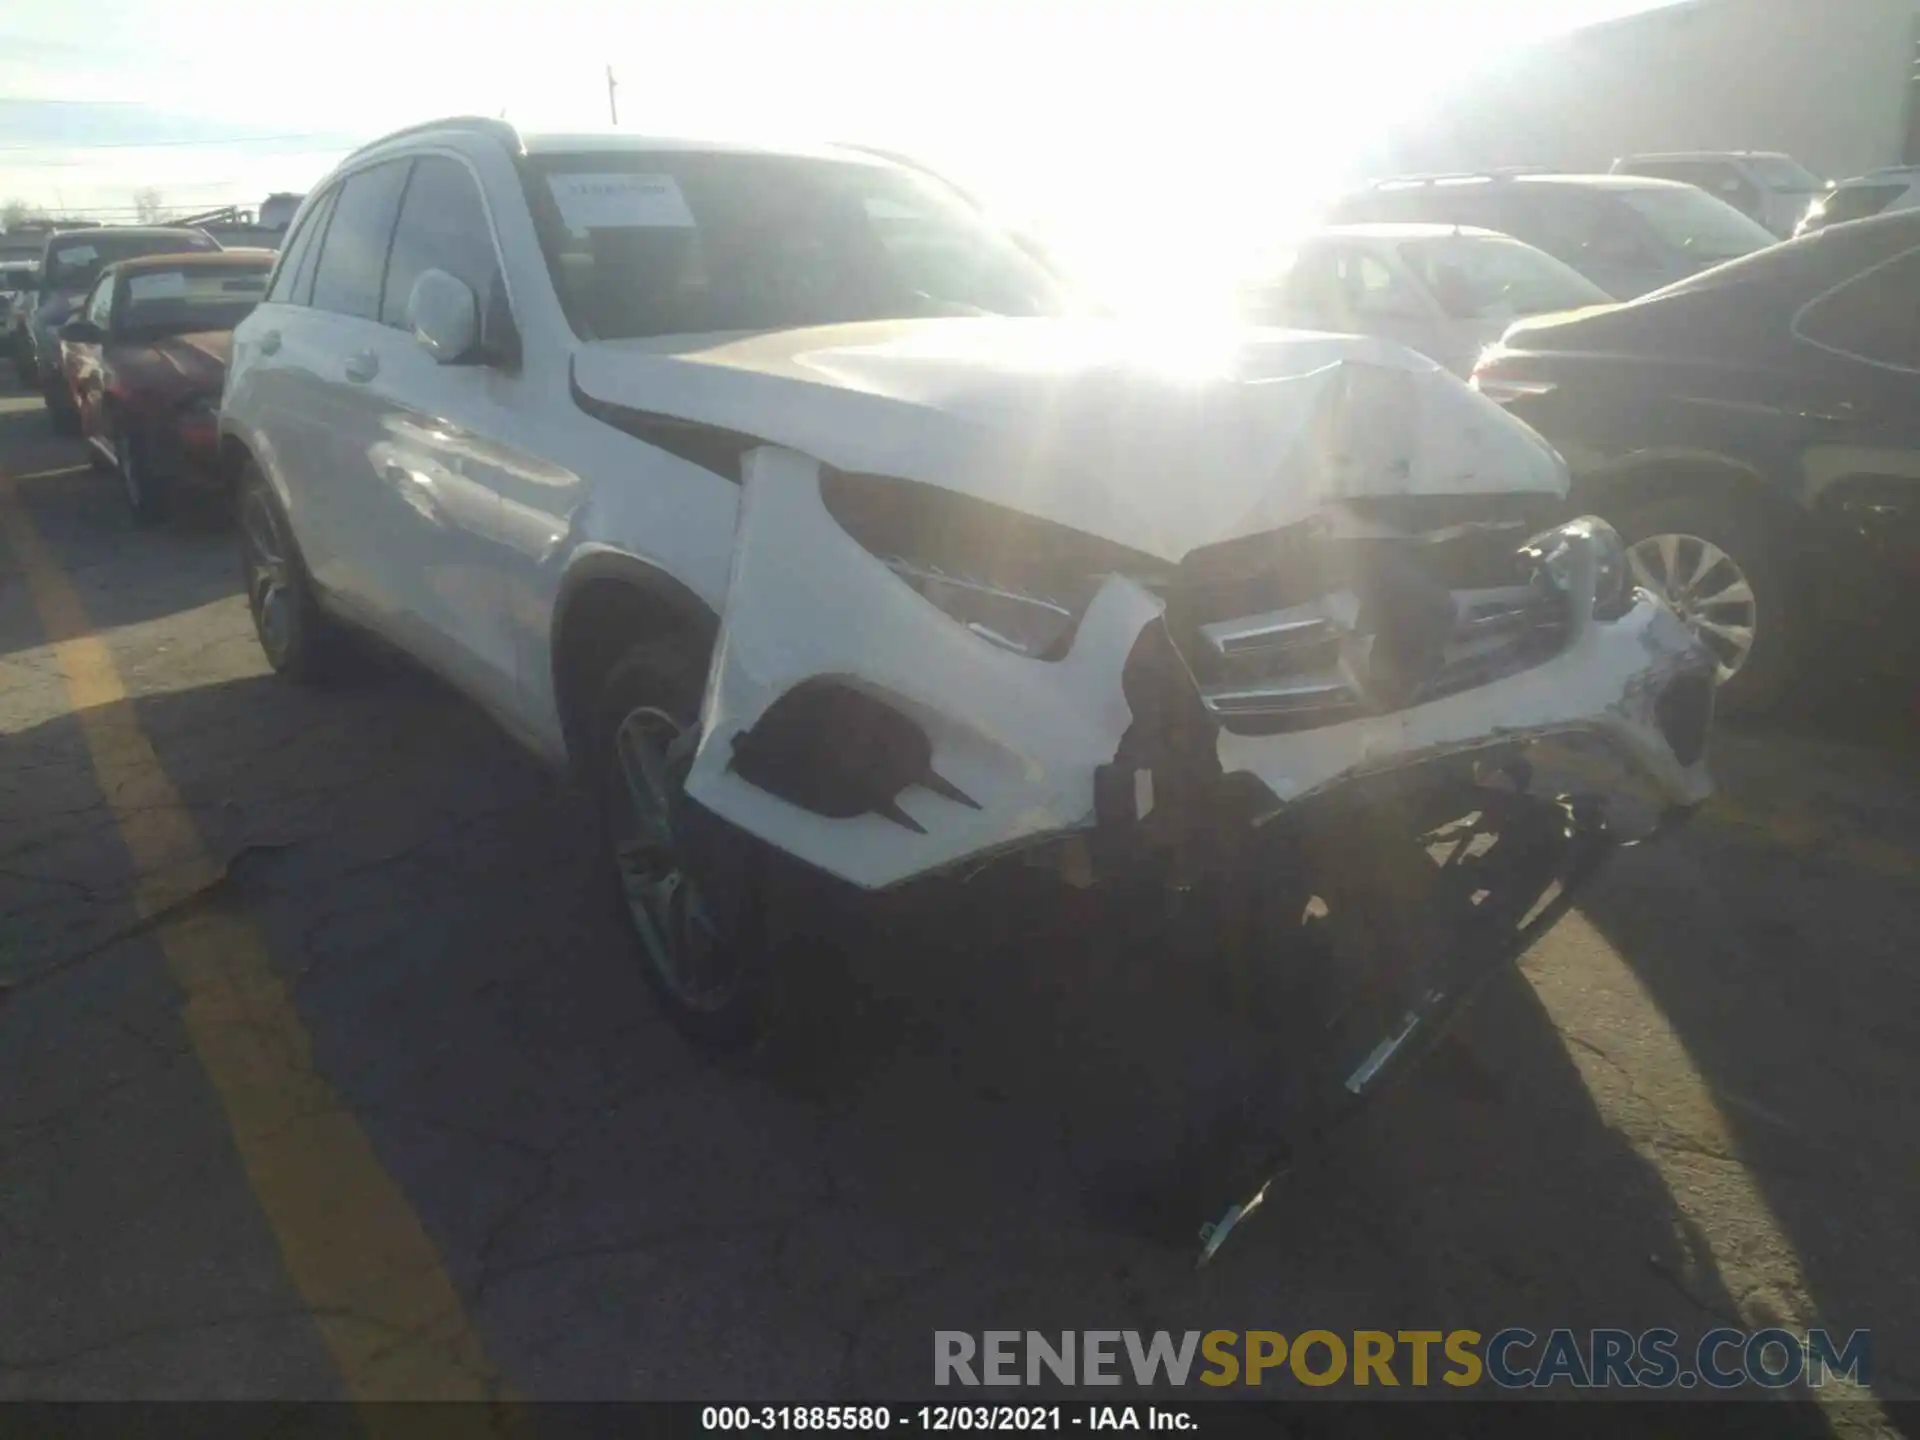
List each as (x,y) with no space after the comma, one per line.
(1626,234)
(71,262)
(1754,435)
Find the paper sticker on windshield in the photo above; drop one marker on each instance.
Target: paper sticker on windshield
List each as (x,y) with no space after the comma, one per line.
(78,255)
(160,285)
(620,202)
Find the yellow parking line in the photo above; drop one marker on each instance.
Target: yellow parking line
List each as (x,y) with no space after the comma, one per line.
(353,1246)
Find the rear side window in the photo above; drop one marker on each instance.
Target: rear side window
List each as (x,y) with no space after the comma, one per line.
(1873,317)
(443,226)
(353,255)
(302,293)
(100,303)
(74,262)
(299,246)
(1577,227)
(1856,202)
(1690,172)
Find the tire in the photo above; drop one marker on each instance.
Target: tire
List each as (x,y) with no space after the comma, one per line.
(713,987)
(1759,679)
(60,410)
(299,639)
(146,491)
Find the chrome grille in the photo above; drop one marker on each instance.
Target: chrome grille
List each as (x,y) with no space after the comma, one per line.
(1314,664)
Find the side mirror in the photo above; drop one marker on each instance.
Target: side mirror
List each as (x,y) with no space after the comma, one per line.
(444,316)
(81,331)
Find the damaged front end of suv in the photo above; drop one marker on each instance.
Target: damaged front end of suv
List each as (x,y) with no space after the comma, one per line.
(1323,646)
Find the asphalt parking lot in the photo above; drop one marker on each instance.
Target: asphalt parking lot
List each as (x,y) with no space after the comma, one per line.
(324,1071)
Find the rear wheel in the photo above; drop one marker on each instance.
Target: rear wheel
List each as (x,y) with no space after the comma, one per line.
(1716,566)
(300,640)
(705,904)
(146,492)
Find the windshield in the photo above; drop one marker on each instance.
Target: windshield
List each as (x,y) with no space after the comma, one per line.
(669,243)
(190,298)
(1491,278)
(74,263)
(1707,229)
(1783,172)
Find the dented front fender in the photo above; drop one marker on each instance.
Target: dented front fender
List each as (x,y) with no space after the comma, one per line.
(1018,738)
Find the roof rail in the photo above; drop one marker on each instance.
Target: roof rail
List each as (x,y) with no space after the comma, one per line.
(1502,172)
(493,129)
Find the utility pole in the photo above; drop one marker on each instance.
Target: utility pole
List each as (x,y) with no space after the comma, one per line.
(613,106)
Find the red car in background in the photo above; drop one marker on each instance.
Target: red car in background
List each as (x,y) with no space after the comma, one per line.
(144,359)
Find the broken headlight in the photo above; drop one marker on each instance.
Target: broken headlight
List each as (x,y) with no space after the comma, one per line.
(1013,579)
(1029,625)
(1552,553)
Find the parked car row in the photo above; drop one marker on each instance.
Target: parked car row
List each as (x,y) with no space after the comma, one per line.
(1446,291)
(1625,233)
(72,262)
(1754,433)
(1773,533)
(143,363)
(1764,185)
(815,526)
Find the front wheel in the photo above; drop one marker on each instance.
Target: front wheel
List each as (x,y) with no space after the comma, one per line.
(1715,565)
(299,639)
(700,899)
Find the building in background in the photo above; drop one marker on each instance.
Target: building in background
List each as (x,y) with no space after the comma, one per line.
(1830,82)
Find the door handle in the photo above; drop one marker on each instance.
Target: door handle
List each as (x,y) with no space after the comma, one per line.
(362,367)
(270,343)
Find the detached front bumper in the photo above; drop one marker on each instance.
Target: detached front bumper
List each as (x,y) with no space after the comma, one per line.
(854,725)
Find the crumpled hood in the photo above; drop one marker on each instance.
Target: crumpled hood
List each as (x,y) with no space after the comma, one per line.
(1146,437)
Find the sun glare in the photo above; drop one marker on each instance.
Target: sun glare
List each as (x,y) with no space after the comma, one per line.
(1153,146)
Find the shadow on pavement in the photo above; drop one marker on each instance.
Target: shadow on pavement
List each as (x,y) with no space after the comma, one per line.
(1786,973)
(624,1216)
(127,575)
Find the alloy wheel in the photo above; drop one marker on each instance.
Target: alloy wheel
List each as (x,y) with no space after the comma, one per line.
(652,753)
(1706,588)
(270,580)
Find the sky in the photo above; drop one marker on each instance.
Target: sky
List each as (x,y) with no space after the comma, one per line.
(1077,116)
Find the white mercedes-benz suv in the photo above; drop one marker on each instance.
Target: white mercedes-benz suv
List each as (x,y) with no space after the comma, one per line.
(796,509)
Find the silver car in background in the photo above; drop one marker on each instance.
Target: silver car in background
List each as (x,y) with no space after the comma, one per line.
(1447,291)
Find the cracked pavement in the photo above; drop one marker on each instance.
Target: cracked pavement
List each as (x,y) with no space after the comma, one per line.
(1686,1109)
